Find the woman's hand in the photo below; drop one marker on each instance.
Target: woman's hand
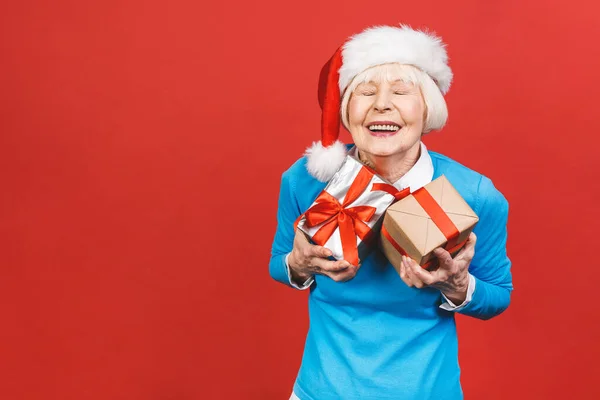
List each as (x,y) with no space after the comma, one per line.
(451,277)
(307,259)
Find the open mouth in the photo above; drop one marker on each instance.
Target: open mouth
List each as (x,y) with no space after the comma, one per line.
(383,128)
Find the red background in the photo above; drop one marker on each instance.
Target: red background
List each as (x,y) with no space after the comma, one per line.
(141,147)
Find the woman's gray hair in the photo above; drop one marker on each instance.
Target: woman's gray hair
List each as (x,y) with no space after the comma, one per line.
(437,111)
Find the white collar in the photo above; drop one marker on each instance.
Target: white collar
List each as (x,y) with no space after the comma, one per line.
(418,176)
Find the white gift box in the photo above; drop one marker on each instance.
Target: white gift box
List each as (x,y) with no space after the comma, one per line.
(354,200)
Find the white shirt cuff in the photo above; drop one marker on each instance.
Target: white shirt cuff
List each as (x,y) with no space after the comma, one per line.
(448,305)
(305,285)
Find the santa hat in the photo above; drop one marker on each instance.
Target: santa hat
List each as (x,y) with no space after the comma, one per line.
(374,46)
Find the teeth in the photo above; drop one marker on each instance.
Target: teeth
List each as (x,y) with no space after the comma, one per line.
(392,128)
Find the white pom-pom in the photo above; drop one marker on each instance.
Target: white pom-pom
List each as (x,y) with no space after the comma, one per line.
(323,162)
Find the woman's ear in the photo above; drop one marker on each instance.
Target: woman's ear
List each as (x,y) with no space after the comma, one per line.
(344,111)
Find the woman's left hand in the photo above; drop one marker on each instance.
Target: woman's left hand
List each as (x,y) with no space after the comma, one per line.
(451,277)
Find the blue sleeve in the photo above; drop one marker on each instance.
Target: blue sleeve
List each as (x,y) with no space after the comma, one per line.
(287,213)
(490,265)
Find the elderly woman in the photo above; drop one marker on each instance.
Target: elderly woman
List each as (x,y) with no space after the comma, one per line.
(374,333)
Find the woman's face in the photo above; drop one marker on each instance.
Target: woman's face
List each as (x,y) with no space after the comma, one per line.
(386,118)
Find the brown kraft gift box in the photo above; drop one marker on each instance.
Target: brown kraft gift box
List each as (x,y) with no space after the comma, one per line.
(431,217)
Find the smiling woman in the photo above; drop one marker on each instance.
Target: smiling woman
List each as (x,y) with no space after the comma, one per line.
(374,334)
(386,109)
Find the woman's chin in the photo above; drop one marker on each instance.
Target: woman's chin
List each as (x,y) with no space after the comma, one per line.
(382,148)
(377,152)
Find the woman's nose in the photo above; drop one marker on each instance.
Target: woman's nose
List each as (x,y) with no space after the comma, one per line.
(382,102)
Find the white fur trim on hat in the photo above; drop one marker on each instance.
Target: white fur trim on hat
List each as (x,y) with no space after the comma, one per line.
(387,44)
(323,162)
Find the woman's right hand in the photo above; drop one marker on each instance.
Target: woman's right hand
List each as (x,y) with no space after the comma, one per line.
(307,259)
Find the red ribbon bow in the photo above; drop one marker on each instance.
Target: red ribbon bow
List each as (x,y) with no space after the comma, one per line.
(351,221)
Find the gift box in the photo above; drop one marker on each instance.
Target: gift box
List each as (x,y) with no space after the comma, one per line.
(431,217)
(347,214)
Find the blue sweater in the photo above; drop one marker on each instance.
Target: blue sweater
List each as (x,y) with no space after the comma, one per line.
(375,338)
